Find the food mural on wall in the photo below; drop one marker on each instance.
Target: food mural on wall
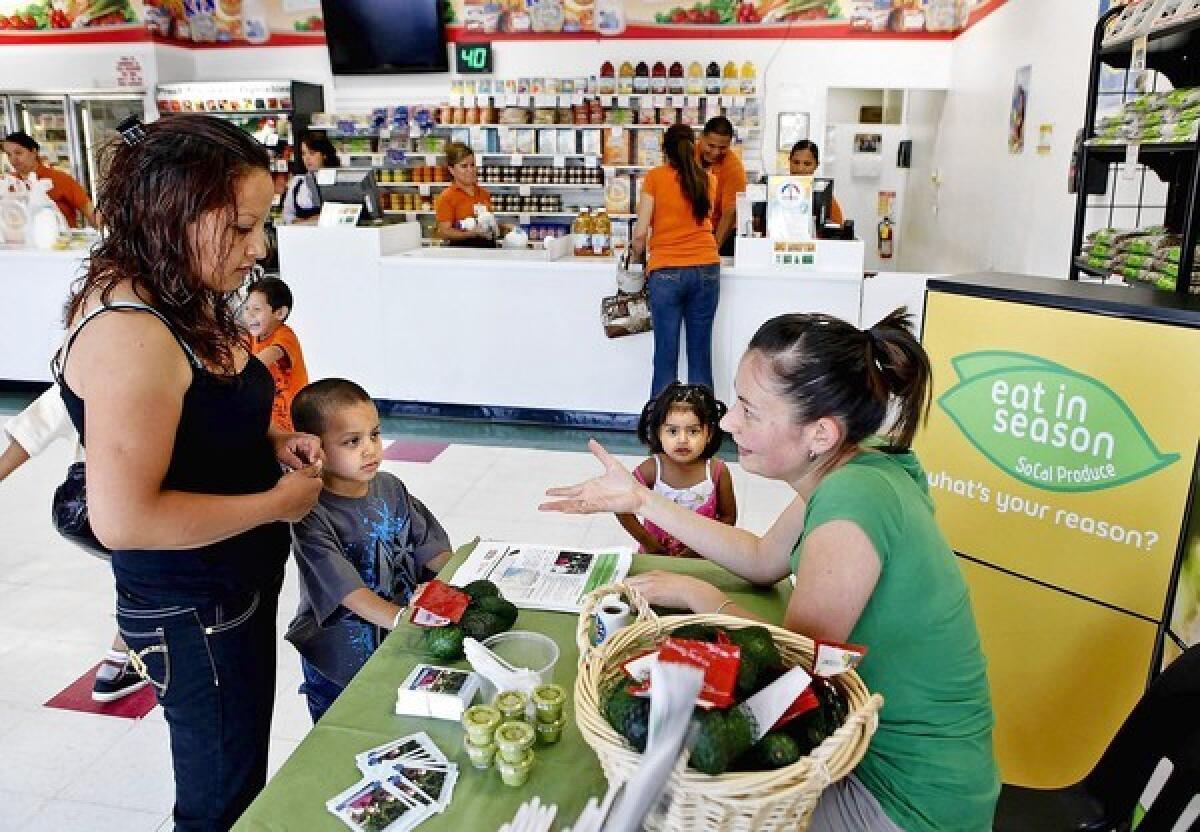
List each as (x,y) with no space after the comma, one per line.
(288,22)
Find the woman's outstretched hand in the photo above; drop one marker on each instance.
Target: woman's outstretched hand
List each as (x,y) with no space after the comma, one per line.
(613,491)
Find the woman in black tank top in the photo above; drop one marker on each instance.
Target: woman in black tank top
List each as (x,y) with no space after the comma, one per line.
(184,469)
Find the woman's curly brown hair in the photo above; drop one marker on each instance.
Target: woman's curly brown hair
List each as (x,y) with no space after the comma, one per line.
(151,193)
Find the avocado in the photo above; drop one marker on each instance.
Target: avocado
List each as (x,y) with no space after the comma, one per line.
(481,588)
(506,611)
(833,703)
(629,716)
(808,730)
(711,753)
(758,653)
(777,750)
(742,728)
(480,624)
(445,642)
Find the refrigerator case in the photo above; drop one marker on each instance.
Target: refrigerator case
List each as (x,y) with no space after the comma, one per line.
(45,118)
(95,118)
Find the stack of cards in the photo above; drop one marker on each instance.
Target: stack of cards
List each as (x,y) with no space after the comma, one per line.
(404,782)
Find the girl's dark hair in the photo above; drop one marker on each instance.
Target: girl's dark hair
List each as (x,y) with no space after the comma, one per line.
(810,146)
(827,367)
(679,146)
(699,399)
(320,143)
(151,193)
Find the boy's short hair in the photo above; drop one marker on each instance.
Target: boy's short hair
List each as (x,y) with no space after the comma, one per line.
(314,403)
(23,139)
(276,292)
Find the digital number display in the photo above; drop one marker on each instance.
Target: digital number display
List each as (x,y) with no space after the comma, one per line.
(473,58)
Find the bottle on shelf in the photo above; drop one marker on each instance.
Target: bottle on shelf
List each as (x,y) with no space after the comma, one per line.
(731,83)
(658,78)
(749,78)
(601,234)
(712,79)
(695,78)
(641,78)
(608,79)
(581,231)
(625,79)
(676,83)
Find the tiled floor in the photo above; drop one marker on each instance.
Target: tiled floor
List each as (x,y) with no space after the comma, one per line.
(64,771)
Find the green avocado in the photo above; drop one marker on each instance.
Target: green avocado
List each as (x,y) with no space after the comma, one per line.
(712,751)
(742,728)
(480,624)
(696,632)
(629,716)
(445,642)
(758,653)
(777,750)
(482,588)
(506,611)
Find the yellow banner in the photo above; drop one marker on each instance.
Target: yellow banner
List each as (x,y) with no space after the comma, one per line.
(1060,449)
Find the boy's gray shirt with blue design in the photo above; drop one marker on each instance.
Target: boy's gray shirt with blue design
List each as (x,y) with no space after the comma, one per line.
(381,542)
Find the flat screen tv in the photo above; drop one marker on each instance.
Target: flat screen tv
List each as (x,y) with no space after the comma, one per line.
(383,37)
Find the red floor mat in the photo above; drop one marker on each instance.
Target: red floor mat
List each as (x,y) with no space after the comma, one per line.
(78,697)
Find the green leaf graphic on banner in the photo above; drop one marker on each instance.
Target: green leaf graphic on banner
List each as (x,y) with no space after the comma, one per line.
(1047,425)
(973,364)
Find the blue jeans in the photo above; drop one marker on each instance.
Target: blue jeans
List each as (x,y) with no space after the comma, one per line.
(684,296)
(212,667)
(318,690)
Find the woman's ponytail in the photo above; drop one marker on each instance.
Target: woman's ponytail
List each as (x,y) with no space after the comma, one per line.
(898,367)
(679,146)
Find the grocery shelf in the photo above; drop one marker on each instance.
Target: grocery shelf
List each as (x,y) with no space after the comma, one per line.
(1082,264)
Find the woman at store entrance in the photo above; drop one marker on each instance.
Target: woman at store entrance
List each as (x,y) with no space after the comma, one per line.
(300,206)
(183,465)
(674,226)
(871,566)
(455,206)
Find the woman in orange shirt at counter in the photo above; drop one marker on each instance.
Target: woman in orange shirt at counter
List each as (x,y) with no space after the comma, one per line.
(70,197)
(684,267)
(803,161)
(457,203)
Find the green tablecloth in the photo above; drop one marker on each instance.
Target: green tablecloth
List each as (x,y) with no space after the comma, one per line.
(566,774)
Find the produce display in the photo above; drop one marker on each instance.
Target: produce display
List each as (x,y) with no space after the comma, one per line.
(486,615)
(1155,118)
(725,740)
(1146,255)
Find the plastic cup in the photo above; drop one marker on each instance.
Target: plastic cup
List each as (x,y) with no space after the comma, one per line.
(512,704)
(525,649)
(548,733)
(480,722)
(513,739)
(515,773)
(481,756)
(548,700)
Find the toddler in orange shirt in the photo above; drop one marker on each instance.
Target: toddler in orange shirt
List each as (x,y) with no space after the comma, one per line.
(268,305)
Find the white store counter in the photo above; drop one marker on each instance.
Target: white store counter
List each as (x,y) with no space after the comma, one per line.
(34,286)
(492,333)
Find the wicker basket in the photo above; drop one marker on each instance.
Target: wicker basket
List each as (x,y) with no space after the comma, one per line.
(758,801)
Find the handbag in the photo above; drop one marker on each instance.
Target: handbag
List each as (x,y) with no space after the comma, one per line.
(628,311)
(69,511)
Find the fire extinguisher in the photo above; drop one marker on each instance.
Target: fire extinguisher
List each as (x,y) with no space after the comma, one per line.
(886,234)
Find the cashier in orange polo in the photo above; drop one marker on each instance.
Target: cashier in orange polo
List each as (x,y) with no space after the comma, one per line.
(70,197)
(457,203)
(713,151)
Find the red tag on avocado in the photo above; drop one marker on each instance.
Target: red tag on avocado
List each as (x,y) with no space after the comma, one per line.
(441,601)
(719,662)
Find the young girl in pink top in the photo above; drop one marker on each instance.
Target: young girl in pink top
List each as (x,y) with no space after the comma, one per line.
(680,427)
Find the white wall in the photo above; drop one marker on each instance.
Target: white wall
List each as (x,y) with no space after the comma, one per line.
(993,210)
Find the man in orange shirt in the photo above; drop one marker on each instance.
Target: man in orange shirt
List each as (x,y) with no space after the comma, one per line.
(70,197)
(714,154)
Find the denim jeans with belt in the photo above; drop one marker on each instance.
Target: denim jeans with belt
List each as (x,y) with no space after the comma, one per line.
(212,667)
(687,296)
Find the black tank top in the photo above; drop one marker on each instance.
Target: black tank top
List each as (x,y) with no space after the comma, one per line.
(221,447)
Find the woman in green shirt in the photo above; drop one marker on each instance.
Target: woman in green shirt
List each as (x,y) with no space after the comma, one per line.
(870,563)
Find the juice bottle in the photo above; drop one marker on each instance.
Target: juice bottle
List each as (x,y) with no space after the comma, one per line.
(749,78)
(675,80)
(730,82)
(712,79)
(695,79)
(601,234)
(641,78)
(581,230)
(608,79)
(625,79)
(658,78)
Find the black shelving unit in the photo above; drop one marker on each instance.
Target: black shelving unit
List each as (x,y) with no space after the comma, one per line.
(1174,52)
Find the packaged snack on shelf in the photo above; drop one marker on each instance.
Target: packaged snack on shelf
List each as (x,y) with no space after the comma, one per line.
(591,143)
(616,146)
(547,140)
(1182,99)
(525,141)
(618,194)
(648,150)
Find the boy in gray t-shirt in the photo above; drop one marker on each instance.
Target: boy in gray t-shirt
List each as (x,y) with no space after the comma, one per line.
(363,548)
